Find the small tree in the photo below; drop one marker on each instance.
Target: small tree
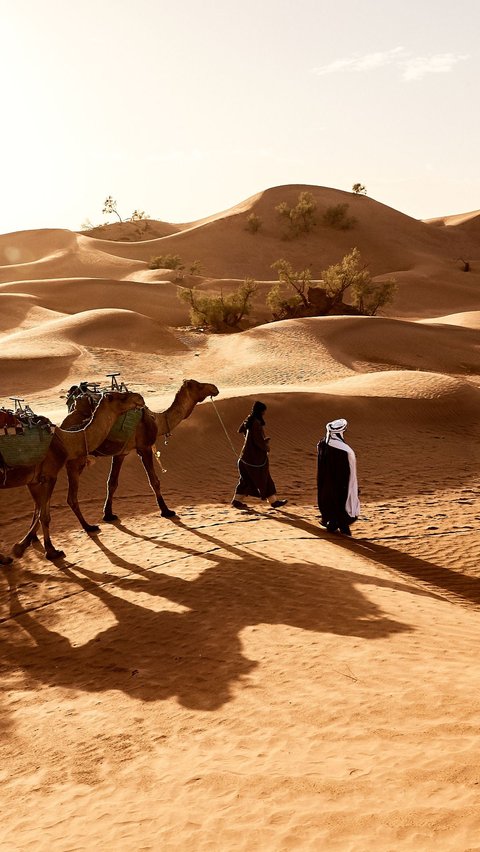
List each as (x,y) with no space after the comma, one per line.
(110,206)
(340,276)
(195,268)
(166,261)
(280,299)
(301,218)
(367,296)
(336,217)
(359,189)
(254,223)
(219,311)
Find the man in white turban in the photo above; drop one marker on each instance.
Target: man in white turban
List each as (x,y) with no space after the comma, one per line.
(337,484)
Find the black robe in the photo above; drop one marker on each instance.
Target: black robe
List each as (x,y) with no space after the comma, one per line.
(333,476)
(255,479)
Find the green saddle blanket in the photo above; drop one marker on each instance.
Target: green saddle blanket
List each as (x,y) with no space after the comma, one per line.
(29,447)
(125,425)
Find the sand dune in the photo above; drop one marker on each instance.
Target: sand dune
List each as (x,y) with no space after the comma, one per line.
(422,257)
(21,310)
(106,328)
(144,229)
(243,680)
(72,295)
(326,347)
(467,319)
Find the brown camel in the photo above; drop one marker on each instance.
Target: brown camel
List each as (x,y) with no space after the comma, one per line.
(65,444)
(151,425)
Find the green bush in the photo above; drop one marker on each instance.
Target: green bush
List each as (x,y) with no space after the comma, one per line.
(336,217)
(367,296)
(166,261)
(219,311)
(282,303)
(301,218)
(254,223)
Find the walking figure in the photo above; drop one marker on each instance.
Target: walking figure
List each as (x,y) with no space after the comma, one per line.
(253,465)
(337,484)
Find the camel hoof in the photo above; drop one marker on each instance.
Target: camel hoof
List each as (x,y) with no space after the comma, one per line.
(110,519)
(52,555)
(19,549)
(169,513)
(92,528)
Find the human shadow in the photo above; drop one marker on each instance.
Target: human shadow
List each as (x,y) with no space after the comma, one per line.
(455,583)
(190,646)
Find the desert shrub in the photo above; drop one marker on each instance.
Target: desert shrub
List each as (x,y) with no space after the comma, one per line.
(367,296)
(359,189)
(280,299)
(220,311)
(301,218)
(336,217)
(195,268)
(166,261)
(282,305)
(340,276)
(254,223)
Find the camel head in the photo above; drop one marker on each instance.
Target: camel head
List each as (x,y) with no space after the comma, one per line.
(199,391)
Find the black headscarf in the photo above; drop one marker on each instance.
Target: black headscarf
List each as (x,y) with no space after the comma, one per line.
(258,409)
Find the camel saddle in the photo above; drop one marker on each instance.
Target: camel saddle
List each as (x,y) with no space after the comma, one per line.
(124,426)
(24,437)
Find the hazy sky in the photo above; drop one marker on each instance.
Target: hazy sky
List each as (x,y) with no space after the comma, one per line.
(184,108)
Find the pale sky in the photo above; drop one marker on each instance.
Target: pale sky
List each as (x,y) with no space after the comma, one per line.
(185,108)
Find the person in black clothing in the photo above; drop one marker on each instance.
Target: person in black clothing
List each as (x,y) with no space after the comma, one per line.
(337,486)
(253,466)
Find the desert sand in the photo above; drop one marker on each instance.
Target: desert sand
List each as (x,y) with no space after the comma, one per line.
(243,680)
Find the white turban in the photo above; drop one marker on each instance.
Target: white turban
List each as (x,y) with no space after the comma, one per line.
(336,427)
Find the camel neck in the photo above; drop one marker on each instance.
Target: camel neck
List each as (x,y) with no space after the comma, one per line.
(181,408)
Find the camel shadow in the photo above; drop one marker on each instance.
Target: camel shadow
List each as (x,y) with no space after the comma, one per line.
(177,638)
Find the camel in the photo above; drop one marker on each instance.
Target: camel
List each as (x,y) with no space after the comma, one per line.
(66,444)
(150,427)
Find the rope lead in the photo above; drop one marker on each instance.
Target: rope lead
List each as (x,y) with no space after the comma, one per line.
(224,429)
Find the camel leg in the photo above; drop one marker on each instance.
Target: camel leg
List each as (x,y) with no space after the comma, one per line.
(112,485)
(41,493)
(74,471)
(20,547)
(146,455)
(45,494)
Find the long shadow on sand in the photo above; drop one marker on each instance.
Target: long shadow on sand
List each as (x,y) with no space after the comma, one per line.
(461,586)
(193,652)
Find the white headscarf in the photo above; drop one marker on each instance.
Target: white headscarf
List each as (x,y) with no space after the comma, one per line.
(336,428)
(334,438)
